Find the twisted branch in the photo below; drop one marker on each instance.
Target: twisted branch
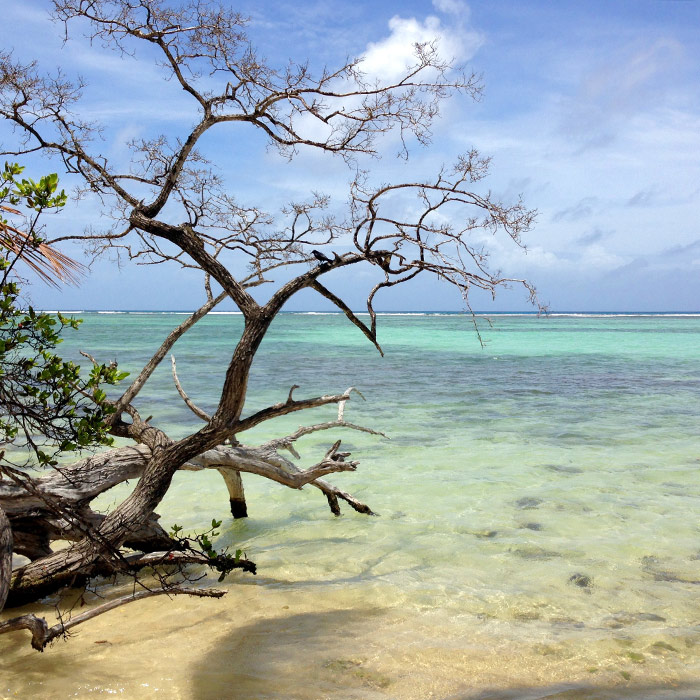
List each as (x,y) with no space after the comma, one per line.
(42,634)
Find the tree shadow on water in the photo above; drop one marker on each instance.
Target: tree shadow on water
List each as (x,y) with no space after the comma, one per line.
(305,656)
(570,691)
(338,654)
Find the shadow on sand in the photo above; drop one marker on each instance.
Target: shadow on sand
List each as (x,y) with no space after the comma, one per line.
(307,656)
(339,655)
(564,691)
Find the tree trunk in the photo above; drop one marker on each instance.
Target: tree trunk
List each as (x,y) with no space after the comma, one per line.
(133,523)
(236,495)
(5,557)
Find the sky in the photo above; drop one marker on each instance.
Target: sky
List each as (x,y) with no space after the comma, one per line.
(591,111)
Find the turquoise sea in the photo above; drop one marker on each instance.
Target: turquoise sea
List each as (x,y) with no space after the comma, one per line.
(538,531)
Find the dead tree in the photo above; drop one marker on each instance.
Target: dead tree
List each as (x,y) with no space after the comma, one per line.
(170,206)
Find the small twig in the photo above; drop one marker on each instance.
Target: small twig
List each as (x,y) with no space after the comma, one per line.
(287,441)
(341,404)
(90,357)
(281,409)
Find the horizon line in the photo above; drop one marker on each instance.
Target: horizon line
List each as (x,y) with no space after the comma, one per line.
(463,312)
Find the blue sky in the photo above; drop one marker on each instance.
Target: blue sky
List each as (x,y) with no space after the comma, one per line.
(591,110)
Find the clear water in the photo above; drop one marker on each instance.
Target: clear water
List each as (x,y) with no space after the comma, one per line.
(567,446)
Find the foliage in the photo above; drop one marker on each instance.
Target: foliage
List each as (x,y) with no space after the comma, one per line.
(25,244)
(45,404)
(201,543)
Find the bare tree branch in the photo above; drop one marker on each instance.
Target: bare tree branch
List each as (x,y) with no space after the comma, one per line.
(138,383)
(197,411)
(290,406)
(42,634)
(6,545)
(316,285)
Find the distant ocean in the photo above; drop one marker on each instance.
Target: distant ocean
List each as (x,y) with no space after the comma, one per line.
(582,314)
(539,529)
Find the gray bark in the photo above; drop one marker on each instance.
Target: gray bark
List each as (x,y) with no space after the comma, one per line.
(236,494)
(5,557)
(34,507)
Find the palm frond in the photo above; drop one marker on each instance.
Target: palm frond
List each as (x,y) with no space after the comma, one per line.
(50,264)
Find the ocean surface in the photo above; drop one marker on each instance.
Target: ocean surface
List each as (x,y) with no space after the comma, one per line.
(538,532)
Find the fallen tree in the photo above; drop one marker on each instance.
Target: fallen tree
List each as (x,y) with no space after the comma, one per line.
(57,507)
(169,206)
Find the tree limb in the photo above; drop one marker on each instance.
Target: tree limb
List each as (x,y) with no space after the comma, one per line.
(281,409)
(323,291)
(130,394)
(197,411)
(5,557)
(261,463)
(42,634)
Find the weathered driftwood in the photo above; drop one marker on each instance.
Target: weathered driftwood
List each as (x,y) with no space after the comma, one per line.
(42,634)
(83,481)
(5,557)
(56,507)
(36,524)
(236,493)
(232,478)
(36,507)
(79,483)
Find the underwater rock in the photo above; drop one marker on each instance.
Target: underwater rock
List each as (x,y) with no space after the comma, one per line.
(355,669)
(528,502)
(485,534)
(581,580)
(533,526)
(544,650)
(563,469)
(343,664)
(534,552)
(566,622)
(526,615)
(648,617)
(623,619)
(651,565)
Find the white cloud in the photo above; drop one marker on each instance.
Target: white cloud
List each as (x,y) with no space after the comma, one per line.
(537,257)
(635,81)
(453,7)
(596,257)
(388,59)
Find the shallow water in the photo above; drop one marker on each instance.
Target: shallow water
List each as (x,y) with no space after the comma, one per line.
(563,453)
